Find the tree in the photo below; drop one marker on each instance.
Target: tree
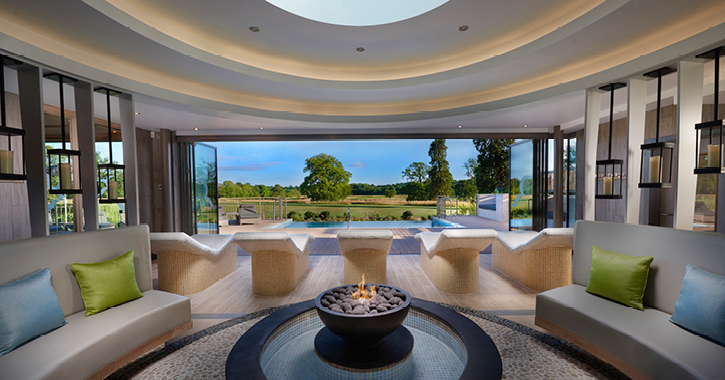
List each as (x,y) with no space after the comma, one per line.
(390,192)
(492,171)
(327,179)
(439,174)
(263,191)
(466,188)
(417,172)
(278,191)
(470,167)
(229,189)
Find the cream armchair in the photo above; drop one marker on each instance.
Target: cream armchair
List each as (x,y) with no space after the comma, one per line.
(279,260)
(190,264)
(450,258)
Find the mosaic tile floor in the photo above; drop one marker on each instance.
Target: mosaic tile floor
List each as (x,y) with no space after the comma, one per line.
(526,353)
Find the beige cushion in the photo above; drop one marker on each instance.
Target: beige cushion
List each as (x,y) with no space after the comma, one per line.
(529,240)
(273,241)
(380,240)
(435,242)
(207,245)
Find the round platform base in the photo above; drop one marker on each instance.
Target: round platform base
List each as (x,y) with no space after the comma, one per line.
(393,349)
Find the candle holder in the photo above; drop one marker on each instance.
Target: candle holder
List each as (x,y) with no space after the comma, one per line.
(656,165)
(7,155)
(63,164)
(709,139)
(113,173)
(610,172)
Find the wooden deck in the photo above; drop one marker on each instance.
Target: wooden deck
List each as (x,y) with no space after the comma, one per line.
(232,296)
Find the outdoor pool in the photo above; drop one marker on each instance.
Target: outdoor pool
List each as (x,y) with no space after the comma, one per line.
(436,223)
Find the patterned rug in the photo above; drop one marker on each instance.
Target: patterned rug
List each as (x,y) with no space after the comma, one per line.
(526,353)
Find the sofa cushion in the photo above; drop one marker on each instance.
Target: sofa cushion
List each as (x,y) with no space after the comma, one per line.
(646,340)
(701,305)
(86,344)
(108,283)
(29,308)
(619,277)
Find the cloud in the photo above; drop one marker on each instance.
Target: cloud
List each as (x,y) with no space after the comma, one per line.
(357,164)
(251,167)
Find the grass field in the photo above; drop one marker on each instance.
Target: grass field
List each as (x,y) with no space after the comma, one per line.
(361,210)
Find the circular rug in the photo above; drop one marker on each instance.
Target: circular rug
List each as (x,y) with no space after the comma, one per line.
(526,353)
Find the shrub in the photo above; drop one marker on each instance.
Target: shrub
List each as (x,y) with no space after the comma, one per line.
(407,215)
(309,215)
(324,215)
(292,215)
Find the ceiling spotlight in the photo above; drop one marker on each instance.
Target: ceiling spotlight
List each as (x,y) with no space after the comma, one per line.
(254,29)
(138,113)
(526,125)
(460,126)
(196,129)
(360,49)
(463,28)
(261,127)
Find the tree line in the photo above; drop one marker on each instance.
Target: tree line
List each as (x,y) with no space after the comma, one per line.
(327,179)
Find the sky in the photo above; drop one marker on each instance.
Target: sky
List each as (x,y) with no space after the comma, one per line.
(373,162)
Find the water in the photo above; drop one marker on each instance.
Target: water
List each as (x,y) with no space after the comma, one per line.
(373,224)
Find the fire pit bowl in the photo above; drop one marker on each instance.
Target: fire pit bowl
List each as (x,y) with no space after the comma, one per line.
(363,330)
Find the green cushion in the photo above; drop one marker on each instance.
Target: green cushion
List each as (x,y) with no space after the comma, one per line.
(108,283)
(619,277)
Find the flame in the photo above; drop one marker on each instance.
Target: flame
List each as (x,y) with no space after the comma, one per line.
(362,292)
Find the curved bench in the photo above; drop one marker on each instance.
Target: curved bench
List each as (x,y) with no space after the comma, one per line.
(279,260)
(90,347)
(540,261)
(642,344)
(450,258)
(365,252)
(190,264)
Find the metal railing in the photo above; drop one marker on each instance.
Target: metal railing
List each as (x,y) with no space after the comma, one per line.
(450,205)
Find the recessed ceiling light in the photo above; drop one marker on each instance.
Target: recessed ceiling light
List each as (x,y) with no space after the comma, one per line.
(360,49)
(115,131)
(261,127)
(526,125)
(196,129)
(460,126)
(138,113)
(463,28)
(254,29)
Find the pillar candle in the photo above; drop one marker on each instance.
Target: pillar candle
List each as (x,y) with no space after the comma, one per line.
(713,151)
(6,162)
(65,179)
(654,169)
(608,186)
(112,190)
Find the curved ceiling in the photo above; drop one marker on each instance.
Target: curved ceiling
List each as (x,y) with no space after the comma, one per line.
(252,63)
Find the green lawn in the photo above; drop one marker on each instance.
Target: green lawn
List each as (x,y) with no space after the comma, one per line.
(360,210)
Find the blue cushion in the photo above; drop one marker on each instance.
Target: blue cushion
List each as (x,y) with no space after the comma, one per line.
(701,305)
(29,308)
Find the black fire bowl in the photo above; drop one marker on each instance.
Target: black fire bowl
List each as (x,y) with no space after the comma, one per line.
(363,330)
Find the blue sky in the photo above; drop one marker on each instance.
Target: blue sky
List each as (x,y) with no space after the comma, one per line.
(375,162)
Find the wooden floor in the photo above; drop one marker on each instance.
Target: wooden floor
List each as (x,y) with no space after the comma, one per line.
(233,294)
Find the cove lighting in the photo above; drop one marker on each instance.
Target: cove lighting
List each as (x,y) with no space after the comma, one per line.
(358,12)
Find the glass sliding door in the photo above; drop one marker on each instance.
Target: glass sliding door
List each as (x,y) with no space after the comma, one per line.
(570,144)
(521,187)
(206,200)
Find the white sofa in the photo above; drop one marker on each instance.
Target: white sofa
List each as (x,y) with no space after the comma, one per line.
(642,344)
(90,347)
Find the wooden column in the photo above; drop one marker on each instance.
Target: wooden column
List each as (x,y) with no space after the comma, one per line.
(128,133)
(87,145)
(591,131)
(690,76)
(166,181)
(30,84)
(558,177)
(636,110)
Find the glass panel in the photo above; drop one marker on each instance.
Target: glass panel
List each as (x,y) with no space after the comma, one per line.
(521,190)
(705,202)
(205,188)
(110,215)
(570,182)
(64,210)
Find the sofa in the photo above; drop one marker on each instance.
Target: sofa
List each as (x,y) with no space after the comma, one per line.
(642,344)
(95,346)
